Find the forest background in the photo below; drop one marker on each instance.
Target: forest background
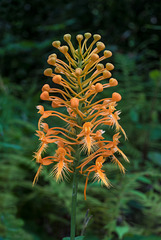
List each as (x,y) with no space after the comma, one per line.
(131,29)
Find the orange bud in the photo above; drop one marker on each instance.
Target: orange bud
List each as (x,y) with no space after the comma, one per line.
(109,66)
(107,53)
(106,74)
(87,35)
(67,37)
(56,79)
(94,57)
(78,71)
(98,87)
(57,70)
(44,95)
(53,55)
(100,66)
(96,37)
(74,102)
(116,97)
(100,46)
(46,87)
(48,72)
(64,49)
(79,37)
(51,60)
(56,44)
(55,104)
(113,82)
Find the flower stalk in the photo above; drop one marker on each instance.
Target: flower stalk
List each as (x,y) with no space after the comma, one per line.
(81,148)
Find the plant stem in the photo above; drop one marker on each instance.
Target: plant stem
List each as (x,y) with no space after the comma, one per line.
(74,205)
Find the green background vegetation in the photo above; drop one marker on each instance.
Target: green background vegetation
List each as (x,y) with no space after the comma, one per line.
(131,210)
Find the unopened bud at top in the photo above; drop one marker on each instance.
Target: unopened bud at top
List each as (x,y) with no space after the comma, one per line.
(57,70)
(46,87)
(87,35)
(100,46)
(116,97)
(55,104)
(48,72)
(74,102)
(107,53)
(98,87)
(113,82)
(53,55)
(67,37)
(78,71)
(100,66)
(64,49)
(109,66)
(44,95)
(56,79)
(106,74)
(96,37)
(94,57)
(79,37)
(56,44)
(51,60)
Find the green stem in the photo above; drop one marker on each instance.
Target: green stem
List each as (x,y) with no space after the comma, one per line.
(76,173)
(74,205)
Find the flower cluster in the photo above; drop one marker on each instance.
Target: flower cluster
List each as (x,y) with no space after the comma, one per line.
(77,82)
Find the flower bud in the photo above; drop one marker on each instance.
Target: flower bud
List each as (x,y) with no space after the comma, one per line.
(79,37)
(94,57)
(113,82)
(64,49)
(106,74)
(87,35)
(57,70)
(56,79)
(48,72)
(44,95)
(53,55)
(96,37)
(51,60)
(74,102)
(116,97)
(46,87)
(56,44)
(109,66)
(55,104)
(67,37)
(100,46)
(78,71)
(98,87)
(107,53)
(100,66)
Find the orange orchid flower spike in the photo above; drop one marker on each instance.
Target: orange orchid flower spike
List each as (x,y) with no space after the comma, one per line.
(76,82)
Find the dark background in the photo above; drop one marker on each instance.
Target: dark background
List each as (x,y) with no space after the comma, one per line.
(131,29)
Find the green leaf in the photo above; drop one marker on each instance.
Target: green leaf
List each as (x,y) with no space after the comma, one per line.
(144,180)
(155,157)
(121,231)
(139,194)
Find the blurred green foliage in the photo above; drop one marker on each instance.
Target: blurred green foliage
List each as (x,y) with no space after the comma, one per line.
(132,208)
